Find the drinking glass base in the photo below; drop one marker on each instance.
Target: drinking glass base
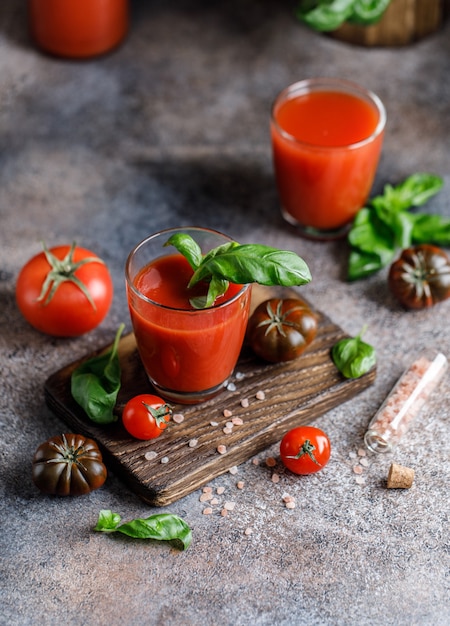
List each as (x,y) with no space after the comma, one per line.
(309,232)
(186,397)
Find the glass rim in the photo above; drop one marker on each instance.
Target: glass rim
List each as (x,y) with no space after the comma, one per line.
(148,300)
(309,85)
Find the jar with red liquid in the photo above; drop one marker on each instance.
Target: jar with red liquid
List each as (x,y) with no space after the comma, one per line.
(78,28)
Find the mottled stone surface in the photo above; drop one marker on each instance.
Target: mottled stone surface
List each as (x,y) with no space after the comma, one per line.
(172,129)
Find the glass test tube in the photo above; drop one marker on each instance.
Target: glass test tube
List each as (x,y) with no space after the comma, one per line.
(404,402)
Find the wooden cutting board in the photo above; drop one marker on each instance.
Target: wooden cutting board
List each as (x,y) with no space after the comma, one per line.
(186,455)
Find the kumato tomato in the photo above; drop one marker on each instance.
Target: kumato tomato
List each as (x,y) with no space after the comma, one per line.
(146,416)
(65,291)
(420,277)
(68,465)
(305,450)
(281,329)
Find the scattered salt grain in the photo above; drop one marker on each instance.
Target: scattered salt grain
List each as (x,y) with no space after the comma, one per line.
(165,459)
(255,461)
(207,489)
(205,497)
(192,443)
(178,418)
(224,512)
(220,490)
(221,449)
(352,455)
(361,452)
(237,421)
(207,511)
(227,413)
(214,423)
(214,501)
(227,430)
(260,395)
(231,387)
(248,531)
(233,470)
(288,498)
(244,403)
(240,375)
(149,456)
(275,478)
(229,506)
(290,505)
(360,480)
(240,484)
(229,425)
(271,462)
(364,462)
(358,469)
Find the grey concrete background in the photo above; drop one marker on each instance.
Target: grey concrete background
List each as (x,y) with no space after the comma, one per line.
(172,129)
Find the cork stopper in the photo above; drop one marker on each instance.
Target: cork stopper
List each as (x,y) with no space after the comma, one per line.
(400,477)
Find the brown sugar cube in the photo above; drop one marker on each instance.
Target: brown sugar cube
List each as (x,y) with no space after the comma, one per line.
(400,477)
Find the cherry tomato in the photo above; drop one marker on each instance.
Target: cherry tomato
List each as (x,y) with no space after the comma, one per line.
(420,278)
(280,330)
(305,450)
(146,416)
(65,291)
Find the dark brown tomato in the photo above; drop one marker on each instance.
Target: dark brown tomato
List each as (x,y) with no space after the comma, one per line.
(68,465)
(420,277)
(281,329)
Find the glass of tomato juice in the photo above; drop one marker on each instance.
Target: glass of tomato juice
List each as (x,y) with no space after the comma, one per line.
(327,135)
(78,28)
(187,353)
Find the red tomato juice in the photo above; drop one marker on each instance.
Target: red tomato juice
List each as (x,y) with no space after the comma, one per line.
(78,28)
(323,178)
(183,349)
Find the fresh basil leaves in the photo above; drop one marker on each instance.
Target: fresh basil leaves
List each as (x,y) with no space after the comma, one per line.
(162,527)
(353,357)
(96,383)
(241,264)
(327,15)
(387,225)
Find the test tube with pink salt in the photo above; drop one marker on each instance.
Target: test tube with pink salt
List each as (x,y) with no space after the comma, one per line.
(405,401)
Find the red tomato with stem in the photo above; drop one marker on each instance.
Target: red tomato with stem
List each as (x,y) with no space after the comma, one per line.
(65,291)
(146,416)
(305,450)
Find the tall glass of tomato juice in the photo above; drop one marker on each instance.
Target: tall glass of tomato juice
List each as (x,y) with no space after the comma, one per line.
(327,136)
(78,28)
(187,353)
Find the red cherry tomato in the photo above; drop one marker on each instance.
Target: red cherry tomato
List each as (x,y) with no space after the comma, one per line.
(146,416)
(305,450)
(65,291)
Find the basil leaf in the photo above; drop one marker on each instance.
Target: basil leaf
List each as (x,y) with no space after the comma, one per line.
(386,225)
(417,189)
(255,263)
(188,247)
(324,15)
(161,527)
(363,264)
(366,12)
(217,287)
(96,383)
(353,357)
(430,229)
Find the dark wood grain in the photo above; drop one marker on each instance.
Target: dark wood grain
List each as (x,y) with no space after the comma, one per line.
(295,393)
